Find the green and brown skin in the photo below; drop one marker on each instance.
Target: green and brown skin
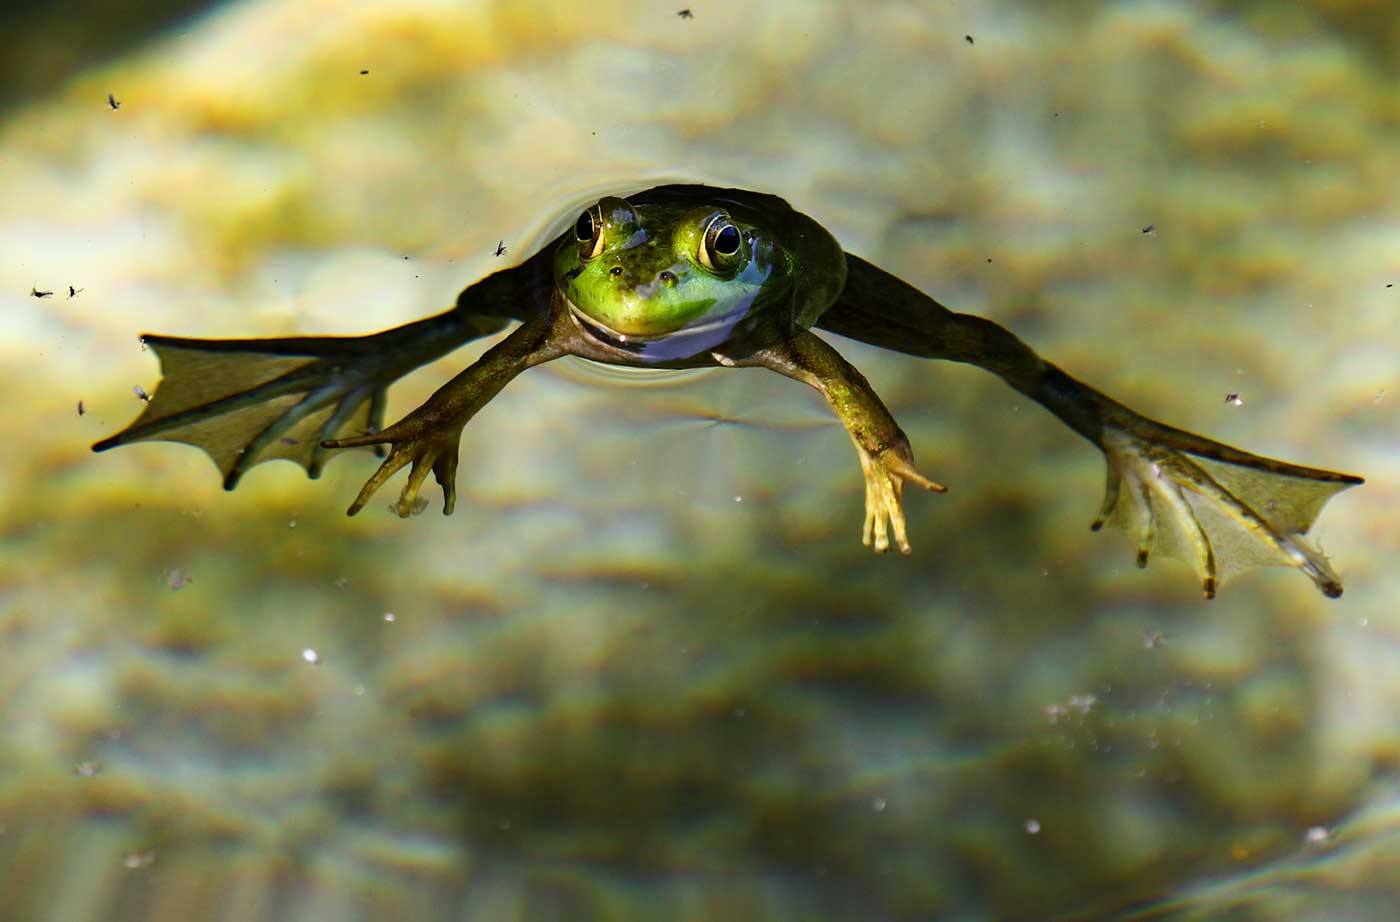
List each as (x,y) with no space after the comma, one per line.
(693,276)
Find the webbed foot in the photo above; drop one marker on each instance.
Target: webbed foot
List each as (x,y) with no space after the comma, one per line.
(885,474)
(248,401)
(1218,508)
(428,447)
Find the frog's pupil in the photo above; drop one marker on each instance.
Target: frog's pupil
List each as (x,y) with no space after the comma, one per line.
(727,240)
(583,230)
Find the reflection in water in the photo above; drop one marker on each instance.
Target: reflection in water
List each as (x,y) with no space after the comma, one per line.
(645,670)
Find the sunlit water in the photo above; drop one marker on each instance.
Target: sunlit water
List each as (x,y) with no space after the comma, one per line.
(647,671)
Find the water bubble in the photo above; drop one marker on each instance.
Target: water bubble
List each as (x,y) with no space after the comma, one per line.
(1033,826)
(878,804)
(390,617)
(311,656)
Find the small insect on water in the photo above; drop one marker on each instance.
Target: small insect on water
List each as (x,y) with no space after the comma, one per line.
(140,393)
(112,101)
(500,248)
(36,293)
(81,411)
(73,292)
(685,13)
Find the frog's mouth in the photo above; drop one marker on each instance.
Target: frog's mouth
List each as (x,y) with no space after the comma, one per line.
(707,330)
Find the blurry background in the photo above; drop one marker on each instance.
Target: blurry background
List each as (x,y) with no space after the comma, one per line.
(647,669)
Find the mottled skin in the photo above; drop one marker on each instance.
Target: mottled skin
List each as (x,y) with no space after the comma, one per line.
(693,276)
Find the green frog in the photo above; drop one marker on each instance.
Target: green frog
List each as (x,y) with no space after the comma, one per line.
(690,276)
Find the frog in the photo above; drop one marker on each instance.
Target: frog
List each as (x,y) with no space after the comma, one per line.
(684,276)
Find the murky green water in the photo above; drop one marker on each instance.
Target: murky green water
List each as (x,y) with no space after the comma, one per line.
(647,671)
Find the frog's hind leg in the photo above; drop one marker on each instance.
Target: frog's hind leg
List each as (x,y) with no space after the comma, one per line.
(1221,509)
(253,400)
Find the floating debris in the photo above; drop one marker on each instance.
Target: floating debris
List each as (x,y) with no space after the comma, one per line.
(1234,400)
(36,293)
(178,579)
(1083,703)
(685,13)
(1150,229)
(135,861)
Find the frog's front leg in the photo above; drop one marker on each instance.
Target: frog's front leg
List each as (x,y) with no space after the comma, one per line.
(429,437)
(885,457)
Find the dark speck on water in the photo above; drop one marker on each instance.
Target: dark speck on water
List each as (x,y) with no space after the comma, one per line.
(112,101)
(36,293)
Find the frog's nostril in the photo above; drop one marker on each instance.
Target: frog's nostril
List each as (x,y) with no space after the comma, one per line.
(667,278)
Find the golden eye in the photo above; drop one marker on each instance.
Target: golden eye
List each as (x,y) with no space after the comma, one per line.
(588,233)
(720,243)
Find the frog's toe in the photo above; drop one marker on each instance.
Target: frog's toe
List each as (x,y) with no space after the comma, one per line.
(390,466)
(445,470)
(409,502)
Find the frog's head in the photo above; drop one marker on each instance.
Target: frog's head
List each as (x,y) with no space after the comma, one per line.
(669,279)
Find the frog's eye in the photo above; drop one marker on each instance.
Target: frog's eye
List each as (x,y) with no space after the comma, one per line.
(588,232)
(720,243)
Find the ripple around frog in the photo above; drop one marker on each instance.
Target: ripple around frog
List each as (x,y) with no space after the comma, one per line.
(583,371)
